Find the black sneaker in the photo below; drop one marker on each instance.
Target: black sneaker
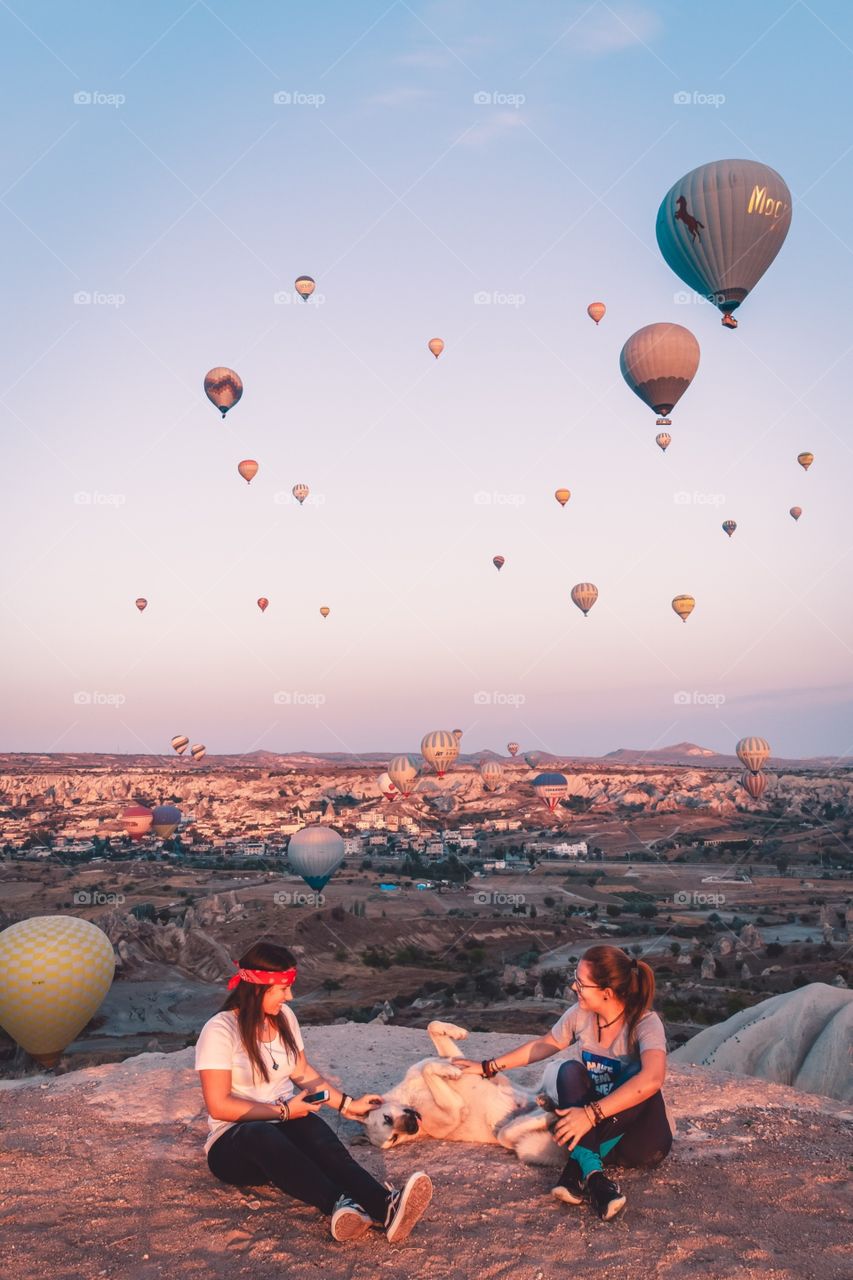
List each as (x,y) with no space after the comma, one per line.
(570,1188)
(606,1196)
(349,1220)
(405,1207)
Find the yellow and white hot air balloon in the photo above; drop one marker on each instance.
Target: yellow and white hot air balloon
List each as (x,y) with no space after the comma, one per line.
(805,460)
(753,753)
(663,440)
(684,606)
(403,774)
(439,749)
(54,974)
(584,595)
(562,496)
(491,773)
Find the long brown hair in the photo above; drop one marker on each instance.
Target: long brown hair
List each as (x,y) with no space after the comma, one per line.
(631,981)
(247,999)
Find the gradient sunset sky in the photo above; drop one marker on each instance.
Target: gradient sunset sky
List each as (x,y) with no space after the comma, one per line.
(430,155)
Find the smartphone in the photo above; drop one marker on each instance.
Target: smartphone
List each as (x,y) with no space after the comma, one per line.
(322,1095)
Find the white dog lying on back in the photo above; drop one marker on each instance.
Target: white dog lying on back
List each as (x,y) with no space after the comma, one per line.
(435,1099)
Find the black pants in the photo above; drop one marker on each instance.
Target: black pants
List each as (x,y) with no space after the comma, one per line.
(301,1157)
(643,1131)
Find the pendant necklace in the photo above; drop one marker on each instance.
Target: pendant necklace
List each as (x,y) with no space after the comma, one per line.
(602,1026)
(270,1052)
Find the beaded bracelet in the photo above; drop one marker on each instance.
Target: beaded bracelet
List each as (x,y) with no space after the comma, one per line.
(284,1110)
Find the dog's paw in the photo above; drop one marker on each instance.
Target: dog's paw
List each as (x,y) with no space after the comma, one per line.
(447,1029)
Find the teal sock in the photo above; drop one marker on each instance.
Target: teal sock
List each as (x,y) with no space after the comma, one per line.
(607,1147)
(591,1161)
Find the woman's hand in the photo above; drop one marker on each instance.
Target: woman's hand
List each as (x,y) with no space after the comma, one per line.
(465,1064)
(361,1107)
(571,1127)
(297,1106)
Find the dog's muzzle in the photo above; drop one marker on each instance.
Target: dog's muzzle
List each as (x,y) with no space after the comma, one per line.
(411,1120)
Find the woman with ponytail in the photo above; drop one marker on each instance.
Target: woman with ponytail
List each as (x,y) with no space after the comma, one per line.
(609,1087)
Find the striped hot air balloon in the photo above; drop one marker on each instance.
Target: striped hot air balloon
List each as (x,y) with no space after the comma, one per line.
(248,469)
(753,753)
(304,286)
(805,460)
(754,783)
(223,388)
(180,744)
(300,492)
(663,440)
(166,819)
(315,853)
(403,774)
(584,595)
(684,606)
(198,751)
(659,362)
(551,788)
(263,604)
(436,346)
(596,311)
(386,786)
(440,749)
(729,527)
(141,604)
(562,496)
(512,748)
(498,562)
(491,773)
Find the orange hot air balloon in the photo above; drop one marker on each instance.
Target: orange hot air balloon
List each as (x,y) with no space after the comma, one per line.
(659,362)
(796,512)
(562,496)
(324,610)
(304,286)
(684,606)
(755,784)
(729,527)
(263,604)
(805,460)
(663,440)
(223,387)
(584,595)
(436,346)
(248,469)
(141,604)
(596,311)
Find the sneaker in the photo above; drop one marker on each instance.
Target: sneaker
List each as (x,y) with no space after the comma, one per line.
(570,1188)
(606,1196)
(349,1220)
(405,1207)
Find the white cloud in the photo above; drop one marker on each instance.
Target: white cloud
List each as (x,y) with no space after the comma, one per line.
(404,96)
(498,125)
(611,28)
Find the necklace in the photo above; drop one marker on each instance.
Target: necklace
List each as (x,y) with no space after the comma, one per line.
(270,1052)
(602,1026)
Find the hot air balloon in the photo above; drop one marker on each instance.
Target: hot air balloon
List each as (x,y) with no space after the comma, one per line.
(436,346)
(315,853)
(754,783)
(300,492)
(198,751)
(753,753)
(512,748)
(248,469)
(663,440)
(596,311)
(457,733)
(439,749)
(223,387)
(805,460)
(729,527)
(56,972)
(304,286)
(402,773)
(166,818)
(795,512)
(498,562)
(263,604)
(684,606)
(180,744)
(721,226)
(658,363)
(562,496)
(532,759)
(136,820)
(584,595)
(141,604)
(491,773)
(324,610)
(551,788)
(386,786)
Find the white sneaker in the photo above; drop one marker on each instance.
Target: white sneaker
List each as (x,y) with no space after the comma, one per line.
(406,1207)
(349,1220)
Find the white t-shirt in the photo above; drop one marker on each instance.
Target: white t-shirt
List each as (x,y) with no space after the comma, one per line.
(609,1067)
(219,1048)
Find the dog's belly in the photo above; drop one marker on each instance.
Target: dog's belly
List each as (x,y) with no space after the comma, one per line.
(487,1106)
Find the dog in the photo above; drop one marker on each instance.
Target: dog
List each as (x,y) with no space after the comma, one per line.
(435,1099)
(693,225)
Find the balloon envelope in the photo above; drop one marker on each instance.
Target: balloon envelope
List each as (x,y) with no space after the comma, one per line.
(796,512)
(498,562)
(198,751)
(663,440)
(720,227)
(584,595)
(512,748)
(315,853)
(551,788)
(56,971)
(596,311)
(386,786)
(439,749)
(223,387)
(562,496)
(263,604)
(684,606)
(304,286)
(659,362)
(136,820)
(180,744)
(142,604)
(805,460)
(300,492)
(402,773)
(753,753)
(248,469)
(325,610)
(436,346)
(729,526)
(754,783)
(166,818)
(491,773)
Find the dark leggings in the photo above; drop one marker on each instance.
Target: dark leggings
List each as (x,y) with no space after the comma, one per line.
(643,1131)
(301,1157)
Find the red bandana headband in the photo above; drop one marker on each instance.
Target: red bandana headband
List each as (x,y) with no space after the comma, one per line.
(264,977)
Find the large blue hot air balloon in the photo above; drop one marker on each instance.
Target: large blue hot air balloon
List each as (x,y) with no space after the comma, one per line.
(551,788)
(167,818)
(721,226)
(315,853)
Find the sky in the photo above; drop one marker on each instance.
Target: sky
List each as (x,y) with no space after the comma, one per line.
(478,171)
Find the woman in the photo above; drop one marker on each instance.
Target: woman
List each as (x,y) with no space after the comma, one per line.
(262,1125)
(609,1090)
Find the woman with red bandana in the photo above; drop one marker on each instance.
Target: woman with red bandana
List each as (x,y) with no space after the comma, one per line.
(256,1079)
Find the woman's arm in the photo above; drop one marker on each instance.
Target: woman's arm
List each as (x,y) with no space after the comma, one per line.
(574,1121)
(311,1080)
(222,1104)
(532,1051)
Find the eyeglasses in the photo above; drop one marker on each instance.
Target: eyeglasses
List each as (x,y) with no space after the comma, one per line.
(574,981)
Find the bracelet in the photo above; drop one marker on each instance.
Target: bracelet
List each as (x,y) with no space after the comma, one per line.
(595,1108)
(489,1068)
(284,1110)
(344,1102)
(591,1118)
